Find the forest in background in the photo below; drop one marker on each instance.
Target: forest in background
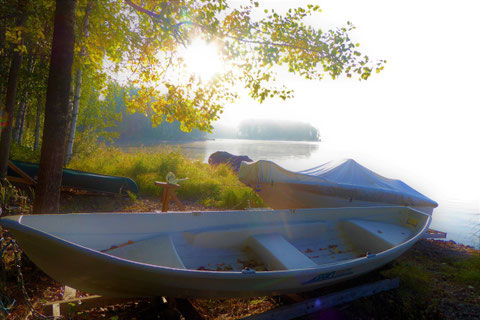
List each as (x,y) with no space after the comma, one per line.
(63,64)
(138,129)
(107,119)
(265,129)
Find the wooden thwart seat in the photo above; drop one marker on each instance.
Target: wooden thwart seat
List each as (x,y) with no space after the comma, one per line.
(278,253)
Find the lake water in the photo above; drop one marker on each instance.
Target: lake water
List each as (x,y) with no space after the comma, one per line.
(456,192)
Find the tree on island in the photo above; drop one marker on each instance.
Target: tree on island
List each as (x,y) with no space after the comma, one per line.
(277,130)
(146,38)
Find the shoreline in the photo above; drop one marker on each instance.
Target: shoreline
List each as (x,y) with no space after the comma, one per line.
(138,144)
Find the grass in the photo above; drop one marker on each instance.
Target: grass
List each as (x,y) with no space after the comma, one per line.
(465,271)
(469,271)
(211,186)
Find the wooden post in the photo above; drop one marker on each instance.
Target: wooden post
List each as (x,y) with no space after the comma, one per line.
(168,192)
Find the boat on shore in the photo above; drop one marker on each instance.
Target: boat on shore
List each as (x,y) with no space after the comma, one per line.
(215,254)
(344,183)
(76,179)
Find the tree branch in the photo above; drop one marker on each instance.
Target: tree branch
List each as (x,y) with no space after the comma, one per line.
(177,33)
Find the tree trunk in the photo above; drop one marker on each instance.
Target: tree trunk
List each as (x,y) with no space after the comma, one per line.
(18,127)
(73,120)
(13,76)
(38,124)
(78,88)
(3,58)
(56,109)
(21,126)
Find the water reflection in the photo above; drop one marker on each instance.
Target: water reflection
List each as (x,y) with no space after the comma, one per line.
(255,149)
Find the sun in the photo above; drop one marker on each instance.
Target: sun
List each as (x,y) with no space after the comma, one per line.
(202,59)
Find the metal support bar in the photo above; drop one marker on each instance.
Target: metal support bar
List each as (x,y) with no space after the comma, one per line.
(317,304)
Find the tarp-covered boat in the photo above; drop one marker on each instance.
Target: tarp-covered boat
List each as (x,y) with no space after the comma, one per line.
(215,254)
(80,179)
(334,184)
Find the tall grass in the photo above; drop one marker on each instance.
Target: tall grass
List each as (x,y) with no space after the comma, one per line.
(211,186)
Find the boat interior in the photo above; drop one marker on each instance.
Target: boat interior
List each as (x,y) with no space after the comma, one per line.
(266,244)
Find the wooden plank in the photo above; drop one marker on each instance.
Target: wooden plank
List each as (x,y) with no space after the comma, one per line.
(69,293)
(434,234)
(165,199)
(26,178)
(180,205)
(319,303)
(170,185)
(18,180)
(55,310)
(85,303)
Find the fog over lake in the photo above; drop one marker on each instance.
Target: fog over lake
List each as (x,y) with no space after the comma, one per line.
(452,185)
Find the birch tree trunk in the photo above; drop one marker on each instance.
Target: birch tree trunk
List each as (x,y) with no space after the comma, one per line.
(19,120)
(38,123)
(74,116)
(78,88)
(21,125)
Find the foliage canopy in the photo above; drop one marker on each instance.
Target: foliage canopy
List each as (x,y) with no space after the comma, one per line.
(250,42)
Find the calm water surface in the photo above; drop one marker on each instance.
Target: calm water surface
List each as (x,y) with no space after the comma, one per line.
(458,213)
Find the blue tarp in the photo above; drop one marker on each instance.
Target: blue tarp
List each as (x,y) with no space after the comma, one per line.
(344,179)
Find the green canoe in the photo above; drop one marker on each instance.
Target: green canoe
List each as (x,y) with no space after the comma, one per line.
(80,180)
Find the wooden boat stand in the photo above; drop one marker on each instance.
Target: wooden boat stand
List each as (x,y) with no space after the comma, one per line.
(169,192)
(172,308)
(168,308)
(64,307)
(24,178)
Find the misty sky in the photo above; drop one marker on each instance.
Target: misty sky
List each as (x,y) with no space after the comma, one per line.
(422,111)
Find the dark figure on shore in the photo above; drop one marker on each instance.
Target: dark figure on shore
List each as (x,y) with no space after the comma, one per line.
(225,157)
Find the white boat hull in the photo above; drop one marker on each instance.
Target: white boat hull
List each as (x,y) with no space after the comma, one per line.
(287,196)
(335,184)
(178,254)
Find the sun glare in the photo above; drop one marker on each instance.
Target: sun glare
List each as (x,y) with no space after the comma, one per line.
(202,59)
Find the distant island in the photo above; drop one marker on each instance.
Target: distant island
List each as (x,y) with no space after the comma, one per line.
(254,129)
(135,129)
